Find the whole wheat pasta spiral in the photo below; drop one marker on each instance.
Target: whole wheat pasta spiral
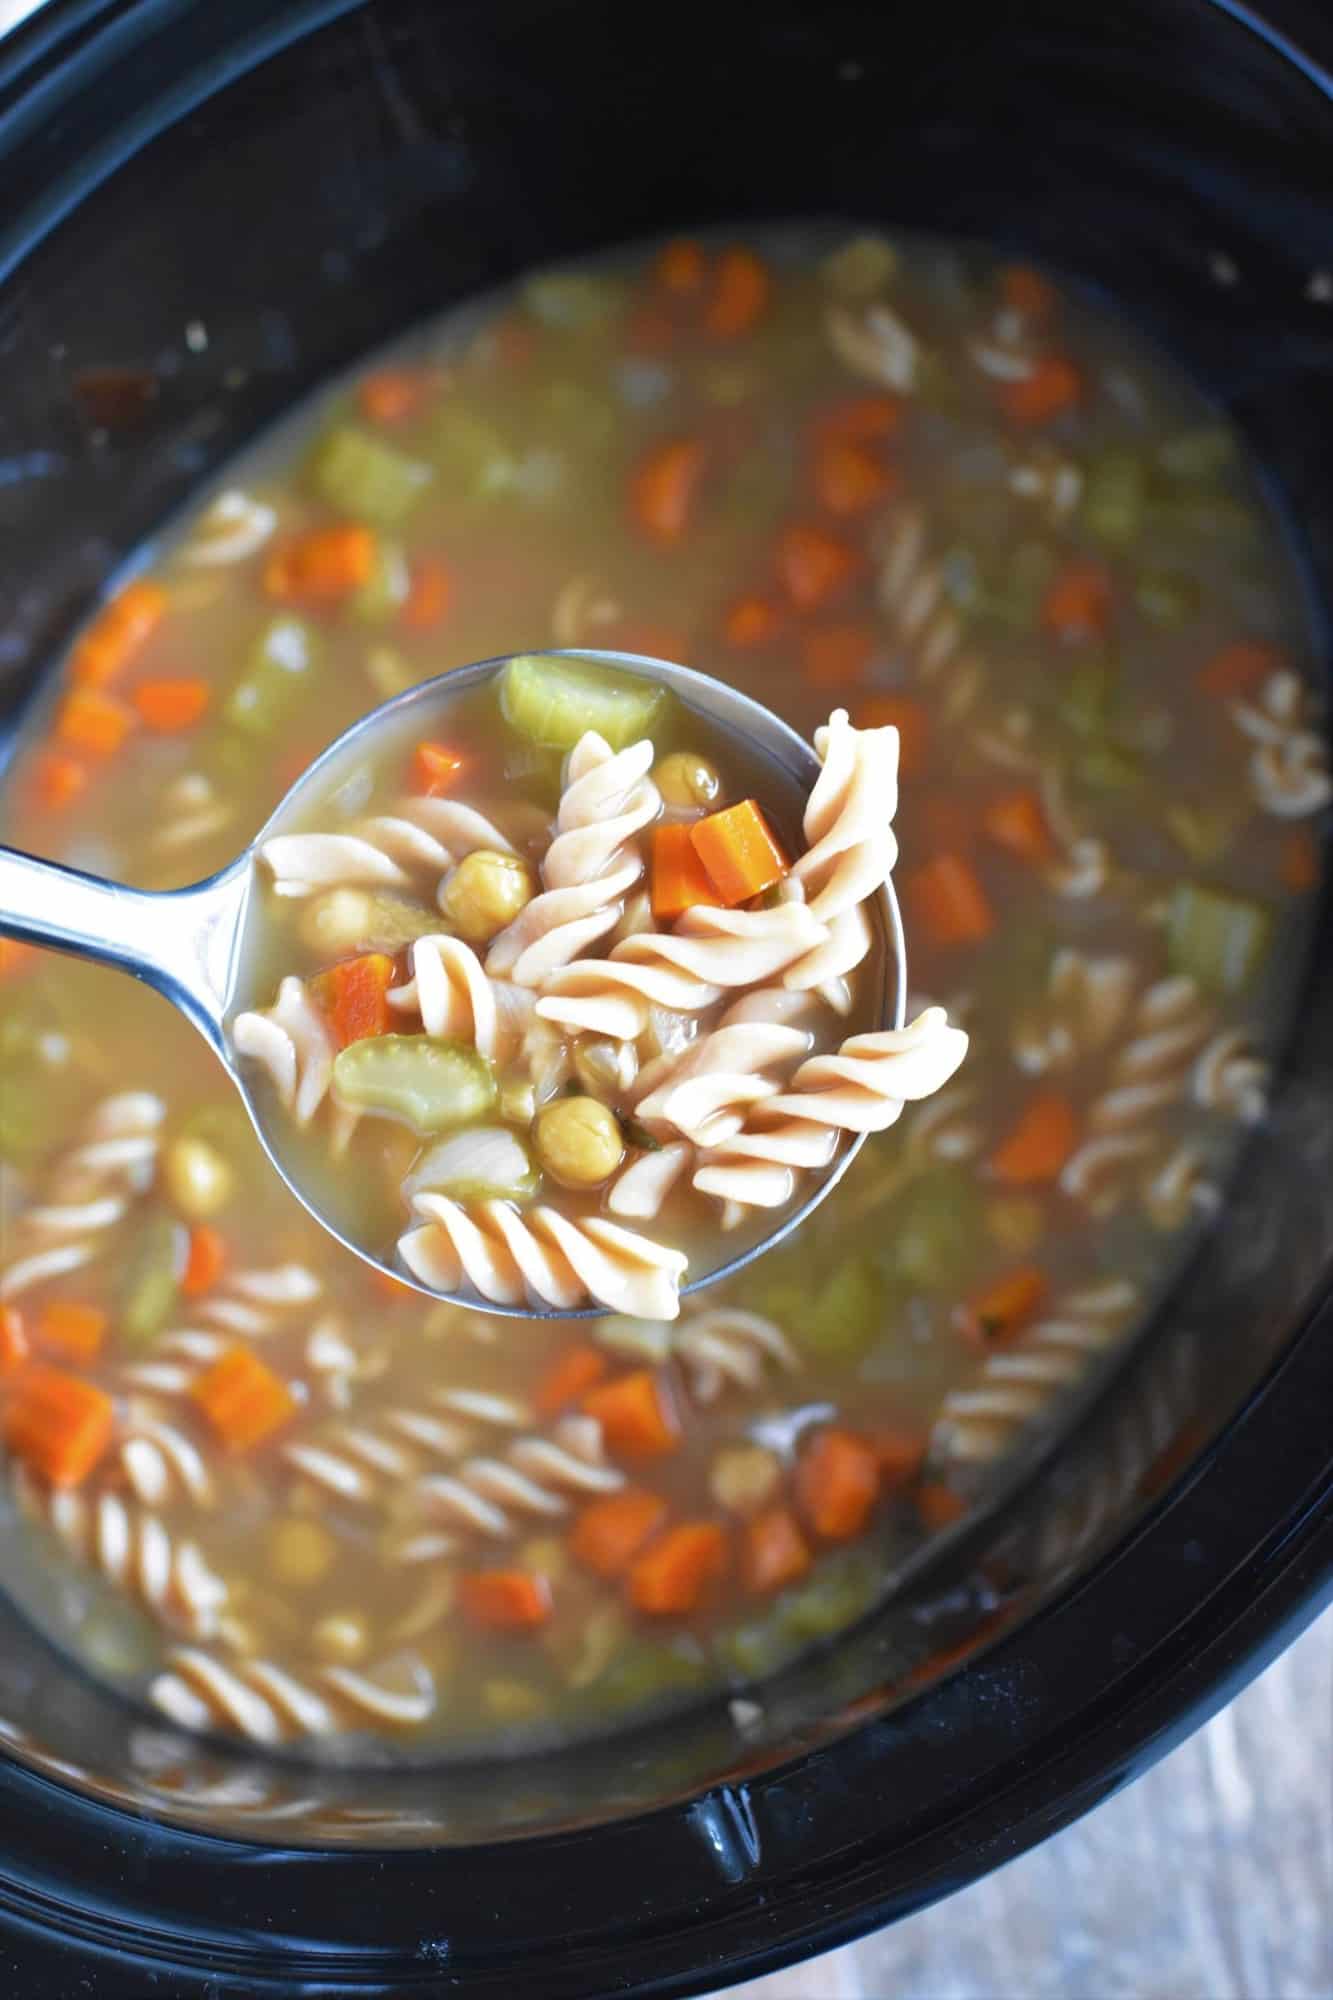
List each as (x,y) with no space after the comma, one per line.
(860,1088)
(851,847)
(722,1347)
(269,1704)
(387,851)
(291,1041)
(86,1191)
(375,1456)
(160,1462)
(509,1257)
(689,971)
(590,866)
(134,1549)
(535,1477)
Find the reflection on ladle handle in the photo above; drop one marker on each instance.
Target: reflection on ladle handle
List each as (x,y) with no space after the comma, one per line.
(181,941)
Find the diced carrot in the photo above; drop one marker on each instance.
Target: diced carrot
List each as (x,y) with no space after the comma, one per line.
(774,1552)
(505,1600)
(752,621)
(837,1484)
(435,769)
(664,489)
(118,634)
(58,1424)
(1001,1309)
(938,1506)
(943,822)
(355,997)
(947,901)
(1026,291)
(681,268)
(610,1532)
(861,420)
(740,293)
(322,566)
(1078,603)
(15,1347)
(637,1416)
(837,656)
(679,879)
(430,591)
(814,566)
(169,706)
(15,958)
(739,851)
(1238,669)
(93,722)
(850,480)
(391,394)
(1298,864)
(57,780)
(899,1454)
(909,717)
(672,1574)
(1054,386)
(1017,823)
(1037,1146)
(243,1399)
(569,1377)
(205,1260)
(70,1329)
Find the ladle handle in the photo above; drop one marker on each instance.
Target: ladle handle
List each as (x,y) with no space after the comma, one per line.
(183,942)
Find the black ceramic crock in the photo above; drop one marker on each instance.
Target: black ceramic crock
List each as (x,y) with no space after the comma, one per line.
(204,209)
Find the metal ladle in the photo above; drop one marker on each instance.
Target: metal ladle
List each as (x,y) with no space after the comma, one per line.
(187,943)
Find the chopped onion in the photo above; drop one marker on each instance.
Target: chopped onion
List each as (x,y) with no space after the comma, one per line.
(485,1162)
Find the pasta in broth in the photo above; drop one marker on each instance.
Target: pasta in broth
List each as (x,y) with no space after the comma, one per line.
(580,1093)
(273,1492)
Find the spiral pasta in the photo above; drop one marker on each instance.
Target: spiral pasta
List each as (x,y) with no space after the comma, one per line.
(534,1477)
(851,847)
(134,1549)
(363,1461)
(268,1704)
(690,970)
(1289,769)
(386,851)
(591,865)
(508,1256)
(451,993)
(85,1192)
(160,1462)
(291,1042)
(722,1347)
(861,1088)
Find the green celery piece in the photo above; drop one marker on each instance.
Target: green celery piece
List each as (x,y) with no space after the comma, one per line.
(571,414)
(1204,832)
(1089,691)
(1109,767)
(573,301)
(364,476)
(286,652)
(641,1671)
(841,1590)
(1167,597)
(474,458)
(430,1084)
(151,1285)
(1114,497)
(553,702)
(847,1314)
(935,1231)
(1217,938)
(1198,456)
(752,1651)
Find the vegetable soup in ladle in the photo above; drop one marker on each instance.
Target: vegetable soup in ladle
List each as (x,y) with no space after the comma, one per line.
(561,983)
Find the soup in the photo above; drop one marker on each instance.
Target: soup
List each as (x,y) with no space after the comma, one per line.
(276,1495)
(579,1003)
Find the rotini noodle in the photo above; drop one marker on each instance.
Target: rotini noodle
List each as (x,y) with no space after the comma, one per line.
(1289,768)
(722,1347)
(510,1257)
(268,1704)
(534,1477)
(85,1192)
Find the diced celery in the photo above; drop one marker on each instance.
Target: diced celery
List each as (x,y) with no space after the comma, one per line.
(936,1230)
(572,300)
(1217,938)
(553,702)
(276,674)
(642,1671)
(840,1591)
(1114,497)
(1167,597)
(860,268)
(1110,767)
(474,459)
(847,1313)
(366,477)
(752,1651)
(385,589)
(1089,692)
(1204,832)
(151,1284)
(427,1083)
(575,415)
(1199,456)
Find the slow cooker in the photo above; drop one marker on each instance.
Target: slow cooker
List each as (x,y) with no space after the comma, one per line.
(302,178)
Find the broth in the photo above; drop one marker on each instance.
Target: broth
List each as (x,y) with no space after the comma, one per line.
(837,471)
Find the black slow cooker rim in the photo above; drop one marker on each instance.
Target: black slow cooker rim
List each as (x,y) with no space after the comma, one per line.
(1196,1601)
